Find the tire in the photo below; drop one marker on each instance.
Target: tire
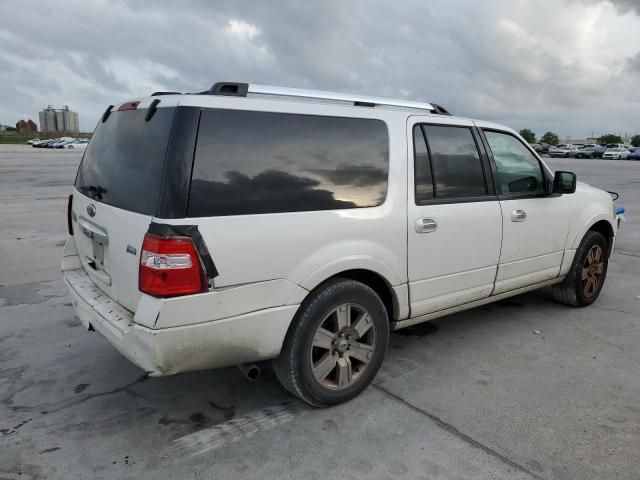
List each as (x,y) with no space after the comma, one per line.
(573,289)
(70,147)
(309,350)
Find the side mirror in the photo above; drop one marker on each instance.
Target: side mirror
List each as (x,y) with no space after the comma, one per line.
(564,182)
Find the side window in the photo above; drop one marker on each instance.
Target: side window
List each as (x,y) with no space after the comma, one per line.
(455,162)
(519,171)
(422,167)
(262,162)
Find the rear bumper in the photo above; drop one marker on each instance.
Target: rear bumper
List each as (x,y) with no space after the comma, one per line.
(230,341)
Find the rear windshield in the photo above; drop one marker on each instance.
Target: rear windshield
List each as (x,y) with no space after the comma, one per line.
(124,162)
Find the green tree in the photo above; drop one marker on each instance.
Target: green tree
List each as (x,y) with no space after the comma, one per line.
(635,140)
(550,138)
(610,138)
(528,135)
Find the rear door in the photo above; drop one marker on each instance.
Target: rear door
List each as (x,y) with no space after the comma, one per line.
(117,192)
(535,223)
(455,224)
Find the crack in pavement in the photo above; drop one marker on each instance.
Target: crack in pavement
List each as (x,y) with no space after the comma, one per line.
(454,431)
(608,309)
(78,401)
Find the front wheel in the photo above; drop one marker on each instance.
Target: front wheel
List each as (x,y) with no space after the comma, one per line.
(335,344)
(585,279)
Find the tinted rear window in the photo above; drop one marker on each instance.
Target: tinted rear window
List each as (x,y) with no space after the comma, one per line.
(262,162)
(124,162)
(457,169)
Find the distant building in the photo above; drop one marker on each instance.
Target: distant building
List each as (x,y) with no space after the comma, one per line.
(26,127)
(59,120)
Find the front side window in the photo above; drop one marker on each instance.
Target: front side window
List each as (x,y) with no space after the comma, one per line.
(264,162)
(455,162)
(519,171)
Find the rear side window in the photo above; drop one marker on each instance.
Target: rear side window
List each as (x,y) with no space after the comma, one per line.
(124,162)
(455,162)
(262,162)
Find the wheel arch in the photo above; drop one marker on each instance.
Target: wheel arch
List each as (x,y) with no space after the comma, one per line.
(393,301)
(605,228)
(592,219)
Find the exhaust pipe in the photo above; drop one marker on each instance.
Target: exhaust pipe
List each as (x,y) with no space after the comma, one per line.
(250,371)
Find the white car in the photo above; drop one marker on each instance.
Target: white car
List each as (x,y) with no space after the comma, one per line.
(62,142)
(252,223)
(77,145)
(615,153)
(565,151)
(32,141)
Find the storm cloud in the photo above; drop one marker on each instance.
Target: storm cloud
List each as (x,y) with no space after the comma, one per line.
(565,65)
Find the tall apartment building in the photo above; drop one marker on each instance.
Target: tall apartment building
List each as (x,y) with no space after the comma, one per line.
(59,120)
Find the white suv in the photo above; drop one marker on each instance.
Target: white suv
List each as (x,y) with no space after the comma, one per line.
(250,223)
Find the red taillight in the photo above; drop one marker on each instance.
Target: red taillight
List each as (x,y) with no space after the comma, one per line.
(129,105)
(170,266)
(69,213)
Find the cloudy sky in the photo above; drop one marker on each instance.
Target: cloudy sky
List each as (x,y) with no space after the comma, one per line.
(570,66)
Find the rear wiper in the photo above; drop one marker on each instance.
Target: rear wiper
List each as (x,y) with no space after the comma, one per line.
(93,191)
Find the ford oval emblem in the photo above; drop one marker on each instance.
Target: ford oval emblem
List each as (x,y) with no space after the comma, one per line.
(91,210)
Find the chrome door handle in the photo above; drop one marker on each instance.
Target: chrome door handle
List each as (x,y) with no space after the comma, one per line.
(426,225)
(518,216)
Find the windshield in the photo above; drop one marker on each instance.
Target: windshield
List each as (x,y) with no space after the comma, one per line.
(124,161)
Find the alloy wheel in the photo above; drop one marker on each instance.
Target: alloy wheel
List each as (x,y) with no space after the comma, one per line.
(593,272)
(343,346)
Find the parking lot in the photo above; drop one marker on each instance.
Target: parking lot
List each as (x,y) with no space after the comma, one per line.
(525,388)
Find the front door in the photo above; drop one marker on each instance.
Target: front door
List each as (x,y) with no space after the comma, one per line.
(455,224)
(535,223)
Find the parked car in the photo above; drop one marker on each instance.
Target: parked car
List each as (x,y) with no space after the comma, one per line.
(590,151)
(77,145)
(536,147)
(61,142)
(635,155)
(615,154)
(611,146)
(564,151)
(540,148)
(32,141)
(45,143)
(259,227)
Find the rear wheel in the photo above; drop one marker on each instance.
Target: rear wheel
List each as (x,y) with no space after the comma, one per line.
(584,281)
(336,343)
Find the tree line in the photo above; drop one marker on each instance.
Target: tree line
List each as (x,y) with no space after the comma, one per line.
(553,139)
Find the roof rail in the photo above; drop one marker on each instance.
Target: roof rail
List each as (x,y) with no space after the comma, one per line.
(157,94)
(242,89)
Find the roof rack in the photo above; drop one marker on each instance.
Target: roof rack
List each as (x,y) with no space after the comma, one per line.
(242,89)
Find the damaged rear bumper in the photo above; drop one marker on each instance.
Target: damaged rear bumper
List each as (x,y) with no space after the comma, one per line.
(223,342)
